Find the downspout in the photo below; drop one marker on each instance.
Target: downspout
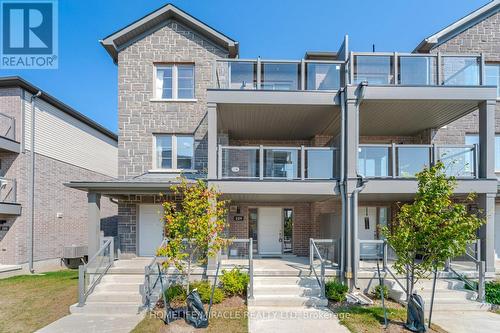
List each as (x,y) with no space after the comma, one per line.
(31,219)
(342,184)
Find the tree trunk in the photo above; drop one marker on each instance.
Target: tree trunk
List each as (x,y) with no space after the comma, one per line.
(189,272)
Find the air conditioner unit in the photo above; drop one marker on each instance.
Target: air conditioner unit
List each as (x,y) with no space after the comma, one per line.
(72,252)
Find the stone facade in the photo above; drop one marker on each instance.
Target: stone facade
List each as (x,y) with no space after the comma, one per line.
(140,116)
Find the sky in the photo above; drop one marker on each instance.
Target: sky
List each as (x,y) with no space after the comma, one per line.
(274,29)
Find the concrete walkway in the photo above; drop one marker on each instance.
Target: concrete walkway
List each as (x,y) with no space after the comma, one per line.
(84,323)
(293,319)
(467,321)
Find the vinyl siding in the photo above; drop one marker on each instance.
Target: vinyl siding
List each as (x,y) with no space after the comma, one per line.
(64,138)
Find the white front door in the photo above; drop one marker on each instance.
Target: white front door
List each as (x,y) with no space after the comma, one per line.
(367,223)
(150,229)
(269,230)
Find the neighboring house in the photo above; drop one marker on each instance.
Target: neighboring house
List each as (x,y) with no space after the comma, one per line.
(67,145)
(286,141)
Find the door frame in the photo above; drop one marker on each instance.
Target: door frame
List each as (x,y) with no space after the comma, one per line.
(282,222)
(138,225)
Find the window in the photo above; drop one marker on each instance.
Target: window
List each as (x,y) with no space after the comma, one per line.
(473,139)
(174,82)
(492,76)
(174,152)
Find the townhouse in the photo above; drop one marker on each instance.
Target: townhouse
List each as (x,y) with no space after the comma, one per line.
(322,147)
(39,216)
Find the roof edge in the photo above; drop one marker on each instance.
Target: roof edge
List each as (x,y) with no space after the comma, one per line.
(17,81)
(457,27)
(230,44)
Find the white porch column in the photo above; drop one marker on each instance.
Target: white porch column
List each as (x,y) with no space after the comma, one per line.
(212,140)
(94,222)
(487,231)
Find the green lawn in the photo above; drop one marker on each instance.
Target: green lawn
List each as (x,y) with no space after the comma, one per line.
(225,319)
(370,319)
(29,302)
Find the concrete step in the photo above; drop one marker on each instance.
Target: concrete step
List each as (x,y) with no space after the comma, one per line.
(287,290)
(286,301)
(126,270)
(458,306)
(122,278)
(270,272)
(114,297)
(117,287)
(107,308)
(446,293)
(440,284)
(285,280)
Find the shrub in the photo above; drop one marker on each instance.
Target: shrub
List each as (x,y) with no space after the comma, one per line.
(335,291)
(234,282)
(205,290)
(492,291)
(378,288)
(175,293)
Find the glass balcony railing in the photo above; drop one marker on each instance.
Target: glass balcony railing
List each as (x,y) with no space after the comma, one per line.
(240,74)
(416,69)
(282,163)
(7,127)
(8,190)
(405,161)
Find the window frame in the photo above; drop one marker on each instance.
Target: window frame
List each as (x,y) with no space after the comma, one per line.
(175,82)
(496,64)
(174,168)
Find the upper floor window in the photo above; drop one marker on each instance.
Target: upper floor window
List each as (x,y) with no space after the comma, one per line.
(174,151)
(492,76)
(174,82)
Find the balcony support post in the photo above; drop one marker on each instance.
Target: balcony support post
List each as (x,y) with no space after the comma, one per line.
(212,140)
(481,70)
(487,139)
(94,223)
(486,202)
(393,160)
(396,69)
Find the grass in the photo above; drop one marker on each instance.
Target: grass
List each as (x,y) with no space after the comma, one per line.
(370,319)
(229,316)
(30,302)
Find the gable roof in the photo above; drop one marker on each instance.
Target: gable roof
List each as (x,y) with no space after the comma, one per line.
(16,81)
(458,27)
(114,42)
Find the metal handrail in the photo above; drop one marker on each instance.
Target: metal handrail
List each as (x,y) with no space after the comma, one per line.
(83,290)
(150,298)
(250,289)
(313,249)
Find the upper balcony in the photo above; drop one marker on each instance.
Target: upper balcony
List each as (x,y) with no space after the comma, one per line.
(408,69)
(8,134)
(8,197)
(278,75)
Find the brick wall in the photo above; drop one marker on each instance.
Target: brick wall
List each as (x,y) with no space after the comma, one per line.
(51,233)
(139,117)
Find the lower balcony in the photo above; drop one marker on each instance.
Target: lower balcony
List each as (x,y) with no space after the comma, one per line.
(8,197)
(276,163)
(405,161)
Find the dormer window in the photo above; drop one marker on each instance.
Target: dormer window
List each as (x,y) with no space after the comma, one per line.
(174,82)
